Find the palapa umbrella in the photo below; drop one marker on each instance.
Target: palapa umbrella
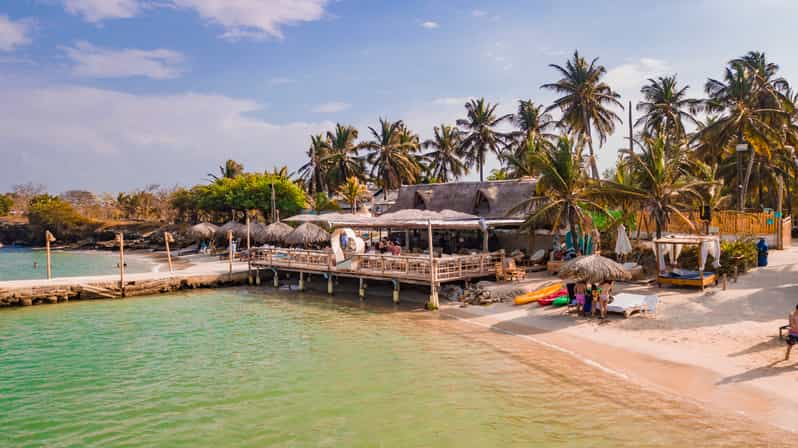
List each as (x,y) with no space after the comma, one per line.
(276,232)
(593,269)
(257,232)
(203,230)
(307,233)
(239,230)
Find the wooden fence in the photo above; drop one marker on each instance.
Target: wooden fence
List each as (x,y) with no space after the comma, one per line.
(724,222)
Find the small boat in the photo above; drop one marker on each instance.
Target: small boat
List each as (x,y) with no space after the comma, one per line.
(538,294)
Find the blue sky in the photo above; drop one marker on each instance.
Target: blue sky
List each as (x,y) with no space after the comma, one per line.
(112,95)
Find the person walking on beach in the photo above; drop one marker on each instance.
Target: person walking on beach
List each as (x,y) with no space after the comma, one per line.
(792,333)
(579,294)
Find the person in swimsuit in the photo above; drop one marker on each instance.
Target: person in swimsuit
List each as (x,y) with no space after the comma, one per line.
(579,292)
(604,298)
(792,334)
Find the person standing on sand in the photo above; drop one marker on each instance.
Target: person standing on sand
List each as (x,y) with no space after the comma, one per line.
(792,334)
(604,297)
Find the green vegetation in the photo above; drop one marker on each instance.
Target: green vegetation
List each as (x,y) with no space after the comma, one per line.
(6,202)
(51,213)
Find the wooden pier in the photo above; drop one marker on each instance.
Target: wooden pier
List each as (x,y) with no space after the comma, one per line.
(413,269)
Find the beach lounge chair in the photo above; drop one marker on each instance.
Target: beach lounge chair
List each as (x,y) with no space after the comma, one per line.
(629,303)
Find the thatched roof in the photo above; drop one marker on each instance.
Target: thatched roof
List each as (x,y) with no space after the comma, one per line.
(593,269)
(203,230)
(493,199)
(307,233)
(239,230)
(276,232)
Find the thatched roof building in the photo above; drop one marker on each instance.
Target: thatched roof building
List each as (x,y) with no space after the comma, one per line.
(203,230)
(307,234)
(239,230)
(276,232)
(489,200)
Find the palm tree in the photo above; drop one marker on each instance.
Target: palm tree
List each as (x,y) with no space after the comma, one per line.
(662,184)
(446,158)
(353,191)
(533,123)
(391,158)
(569,193)
(342,160)
(666,107)
(229,170)
(314,172)
(480,133)
(748,111)
(321,202)
(585,102)
(521,163)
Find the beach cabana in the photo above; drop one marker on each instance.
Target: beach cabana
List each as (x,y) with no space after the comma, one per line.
(257,232)
(672,247)
(307,234)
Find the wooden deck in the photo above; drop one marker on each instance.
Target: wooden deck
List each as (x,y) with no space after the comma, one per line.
(403,268)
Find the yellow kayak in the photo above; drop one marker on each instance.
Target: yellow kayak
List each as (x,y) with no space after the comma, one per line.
(538,294)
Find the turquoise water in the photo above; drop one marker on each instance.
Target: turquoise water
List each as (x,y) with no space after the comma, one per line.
(17,264)
(253,368)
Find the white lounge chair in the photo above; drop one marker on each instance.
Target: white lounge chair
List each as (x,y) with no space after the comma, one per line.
(629,303)
(538,257)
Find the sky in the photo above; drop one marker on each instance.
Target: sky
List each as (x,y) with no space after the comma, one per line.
(115,95)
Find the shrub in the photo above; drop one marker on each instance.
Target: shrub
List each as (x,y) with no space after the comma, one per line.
(51,213)
(741,254)
(6,202)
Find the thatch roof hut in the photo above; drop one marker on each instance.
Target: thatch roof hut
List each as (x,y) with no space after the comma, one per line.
(203,230)
(257,232)
(276,232)
(306,234)
(239,230)
(593,269)
(490,199)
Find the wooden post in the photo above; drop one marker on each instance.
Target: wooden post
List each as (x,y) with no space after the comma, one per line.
(301,281)
(121,238)
(167,238)
(48,238)
(485,240)
(249,252)
(257,276)
(780,221)
(276,279)
(396,291)
(330,289)
(230,253)
(433,296)
(361,291)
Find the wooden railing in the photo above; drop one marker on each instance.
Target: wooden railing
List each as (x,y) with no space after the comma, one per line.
(415,267)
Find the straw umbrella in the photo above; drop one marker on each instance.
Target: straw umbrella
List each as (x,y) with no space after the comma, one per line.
(593,269)
(203,230)
(257,232)
(307,234)
(239,230)
(276,232)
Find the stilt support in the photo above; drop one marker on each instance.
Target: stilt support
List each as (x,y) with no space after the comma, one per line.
(276,279)
(257,277)
(396,291)
(433,297)
(301,281)
(361,291)
(330,288)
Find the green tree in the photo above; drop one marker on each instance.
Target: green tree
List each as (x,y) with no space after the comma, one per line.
(353,191)
(570,194)
(479,133)
(533,125)
(6,202)
(314,172)
(390,156)
(46,212)
(445,161)
(585,102)
(666,107)
(321,202)
(342,160)
(229,170)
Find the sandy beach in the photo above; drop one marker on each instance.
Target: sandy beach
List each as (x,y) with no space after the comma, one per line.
(717,348)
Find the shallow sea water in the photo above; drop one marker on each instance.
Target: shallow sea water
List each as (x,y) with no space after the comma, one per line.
(255,367)
(17,264)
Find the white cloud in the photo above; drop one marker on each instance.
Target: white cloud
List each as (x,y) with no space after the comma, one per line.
(241,19)
(430,25)
(80,137)
(255,19)
(95,62)
(14,34)
(99,10)
(331,107)
(478,13)
(630,77)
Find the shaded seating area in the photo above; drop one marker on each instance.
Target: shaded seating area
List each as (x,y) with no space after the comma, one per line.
(672,246)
